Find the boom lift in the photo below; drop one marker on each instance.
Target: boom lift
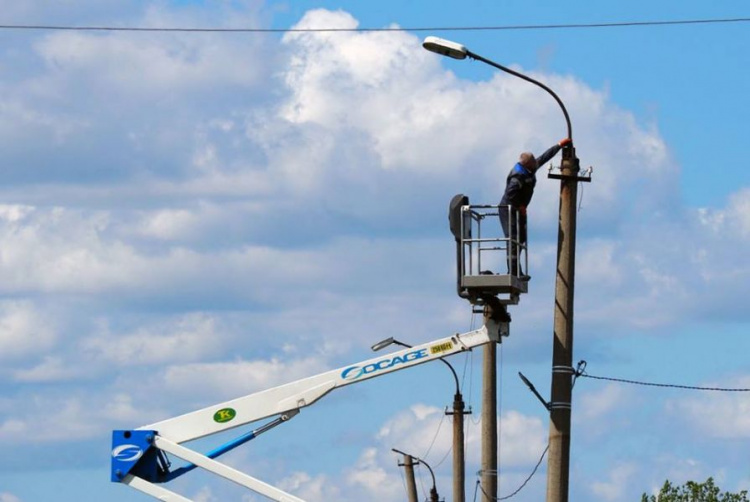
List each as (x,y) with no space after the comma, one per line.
(139,455)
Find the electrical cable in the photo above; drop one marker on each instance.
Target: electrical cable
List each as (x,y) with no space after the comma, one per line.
(506,497)
(622,24)
(581,372)
(672,386)
(421,483)
(437,433)
(450,449)
(528,478)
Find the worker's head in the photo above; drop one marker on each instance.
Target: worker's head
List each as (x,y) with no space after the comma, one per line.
(528,161)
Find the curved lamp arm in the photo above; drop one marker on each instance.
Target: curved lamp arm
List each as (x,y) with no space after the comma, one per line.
(457,51)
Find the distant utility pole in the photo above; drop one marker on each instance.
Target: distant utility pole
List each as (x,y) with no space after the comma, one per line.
(411,485)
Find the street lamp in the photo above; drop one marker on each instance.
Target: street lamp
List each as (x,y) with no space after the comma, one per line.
(459,462)
(433,492)
(558,465)
(458,51)
(392,341)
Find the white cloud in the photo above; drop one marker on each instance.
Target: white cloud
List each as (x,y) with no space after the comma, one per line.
(73,417)
(370,478)
(224,380)
(353,126)
(14,213)
(169,224)
(315,489)
(596,411)
(723,415)
(155,64)
(522,439)
(425,429)
(24,330)
(402,430)
(205,495)
(618,484)
(189,338)
(9,497)
(51,369)
(733,221)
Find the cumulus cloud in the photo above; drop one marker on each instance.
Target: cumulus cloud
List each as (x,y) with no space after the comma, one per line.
(192,337)
(597,411)
(24,330)
(618,484)
(50,418)
(223,380)
(370,477)
(319,488)
(722,415)
(522,438)
(51,369)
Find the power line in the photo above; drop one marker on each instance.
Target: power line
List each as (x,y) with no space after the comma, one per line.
(673,386)
(528,478)
(581,372)
(506,497)
(624,24)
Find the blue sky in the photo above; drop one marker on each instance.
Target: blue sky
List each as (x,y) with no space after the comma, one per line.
(188,218)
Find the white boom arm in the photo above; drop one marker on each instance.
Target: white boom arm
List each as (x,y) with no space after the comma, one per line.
(137,458)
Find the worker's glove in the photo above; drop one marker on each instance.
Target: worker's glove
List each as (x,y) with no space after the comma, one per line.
(565,142)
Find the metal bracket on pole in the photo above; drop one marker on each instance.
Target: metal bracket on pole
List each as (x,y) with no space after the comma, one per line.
(496,318)
(534,391)
(563,369)
(586,177)
(558,405)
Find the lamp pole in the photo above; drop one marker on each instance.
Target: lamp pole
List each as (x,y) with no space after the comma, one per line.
(459,463)
(558,462)
(434,497)
(411,485)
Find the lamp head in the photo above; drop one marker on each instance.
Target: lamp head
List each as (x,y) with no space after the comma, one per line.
(445,47)
(382,344)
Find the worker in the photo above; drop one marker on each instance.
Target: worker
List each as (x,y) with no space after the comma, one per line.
(519,189)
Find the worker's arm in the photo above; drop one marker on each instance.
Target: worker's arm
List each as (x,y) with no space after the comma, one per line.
(546,156)
(552,151)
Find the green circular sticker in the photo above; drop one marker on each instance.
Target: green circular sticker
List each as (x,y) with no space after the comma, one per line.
(224,415)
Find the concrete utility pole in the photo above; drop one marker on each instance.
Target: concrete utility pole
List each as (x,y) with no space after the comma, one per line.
(495,314)
(411,485)
(489,424)
(459,464)
(558,462)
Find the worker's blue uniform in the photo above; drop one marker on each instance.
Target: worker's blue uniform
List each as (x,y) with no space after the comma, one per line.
(519,189)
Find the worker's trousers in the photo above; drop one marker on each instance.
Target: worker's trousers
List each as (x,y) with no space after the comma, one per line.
(514,228)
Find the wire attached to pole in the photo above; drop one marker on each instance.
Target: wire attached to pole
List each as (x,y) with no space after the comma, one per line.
(582,373)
